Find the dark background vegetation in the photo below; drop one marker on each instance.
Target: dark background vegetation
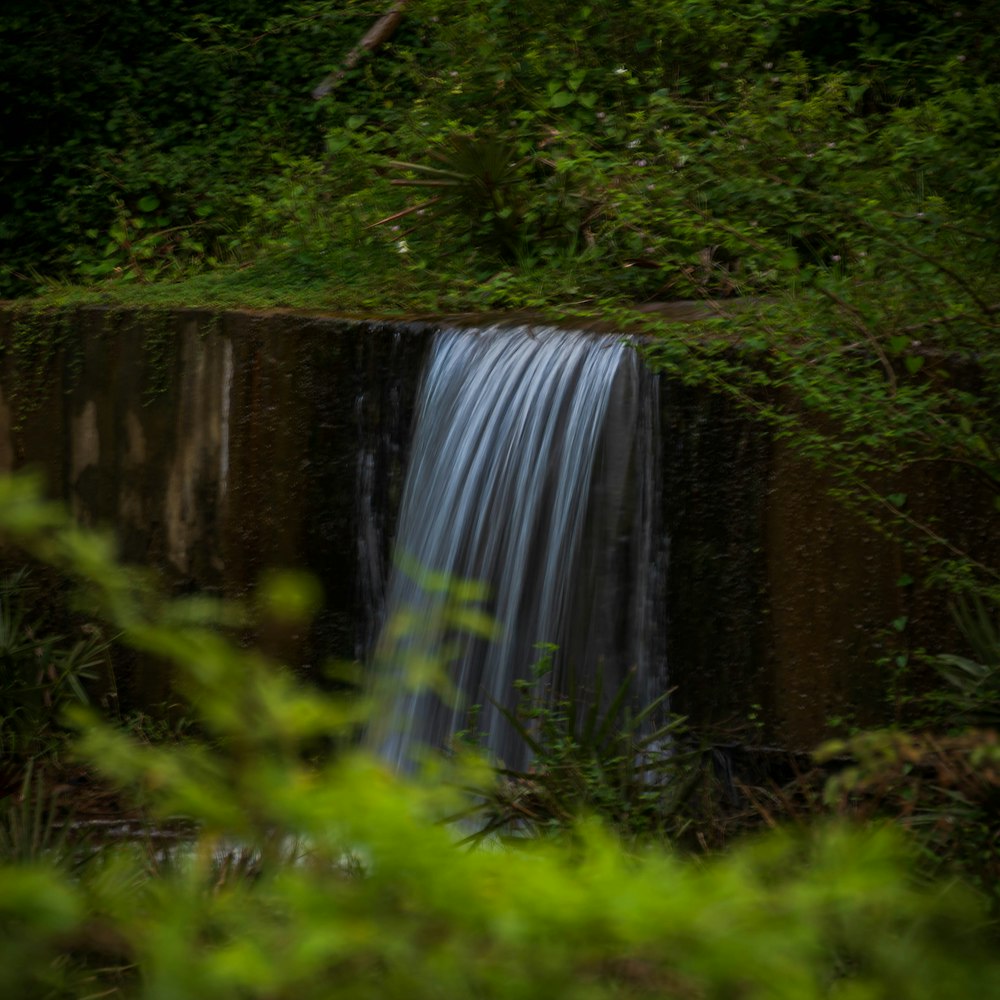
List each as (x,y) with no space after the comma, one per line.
(655,149)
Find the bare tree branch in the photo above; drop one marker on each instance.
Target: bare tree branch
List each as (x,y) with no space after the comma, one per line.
(376,36)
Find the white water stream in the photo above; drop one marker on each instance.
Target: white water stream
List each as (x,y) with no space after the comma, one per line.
(533,474)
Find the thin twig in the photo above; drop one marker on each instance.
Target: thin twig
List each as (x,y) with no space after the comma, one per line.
(869,336)
(406,211)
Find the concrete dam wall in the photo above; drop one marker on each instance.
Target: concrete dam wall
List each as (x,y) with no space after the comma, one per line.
(218,445)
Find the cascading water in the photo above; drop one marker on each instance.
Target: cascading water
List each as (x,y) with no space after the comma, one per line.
(531,496)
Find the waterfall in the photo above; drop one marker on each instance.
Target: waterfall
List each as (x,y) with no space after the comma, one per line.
(531,502)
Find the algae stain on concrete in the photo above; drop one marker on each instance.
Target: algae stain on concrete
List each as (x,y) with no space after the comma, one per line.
(85,449)
(191,503)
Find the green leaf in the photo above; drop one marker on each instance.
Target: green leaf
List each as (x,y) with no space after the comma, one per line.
(149,203)
(472,621)
(560,99)
(913,363)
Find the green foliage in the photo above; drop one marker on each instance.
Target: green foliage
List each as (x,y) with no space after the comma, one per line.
(41,672)
(134,149)
(33,827)
(941,780)
(595,753)
(344,882)
(943,790)
(973,697)
(676,148)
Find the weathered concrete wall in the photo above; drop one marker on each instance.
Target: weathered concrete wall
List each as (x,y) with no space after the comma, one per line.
(220,445)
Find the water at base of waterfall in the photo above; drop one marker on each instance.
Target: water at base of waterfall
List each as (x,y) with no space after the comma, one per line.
(529,516)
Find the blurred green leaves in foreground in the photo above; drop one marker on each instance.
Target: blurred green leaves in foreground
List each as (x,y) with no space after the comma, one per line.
(336,878)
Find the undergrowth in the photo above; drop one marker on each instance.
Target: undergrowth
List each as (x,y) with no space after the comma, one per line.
(334,877)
